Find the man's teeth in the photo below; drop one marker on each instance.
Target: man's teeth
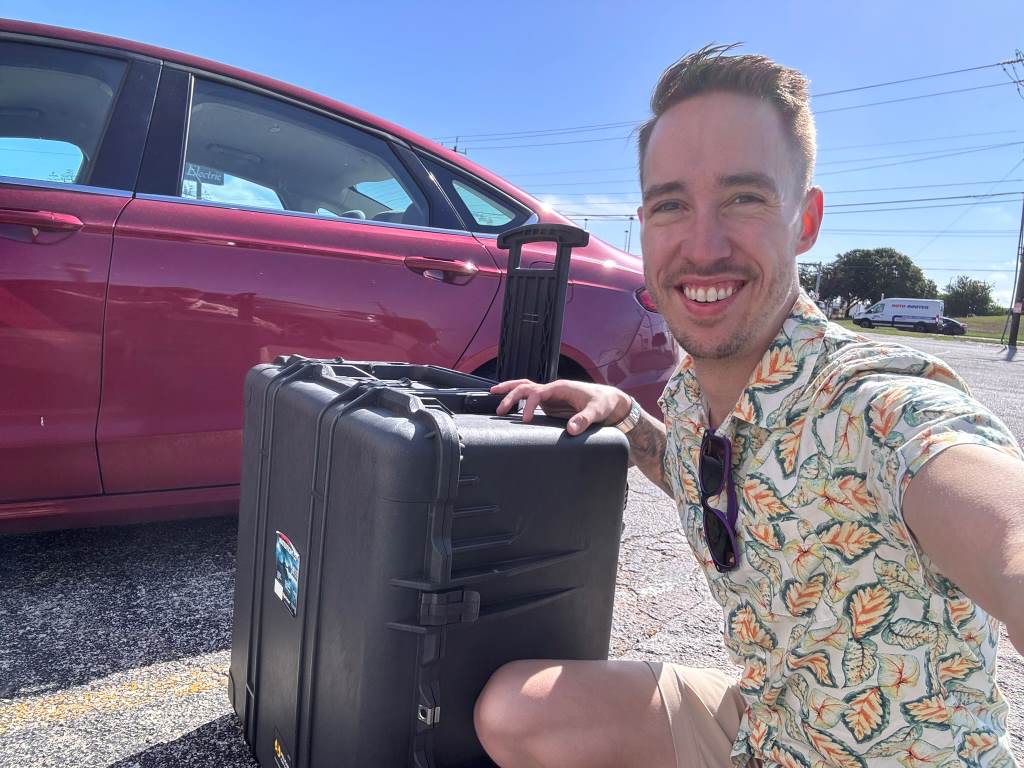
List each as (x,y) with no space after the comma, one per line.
(708,295)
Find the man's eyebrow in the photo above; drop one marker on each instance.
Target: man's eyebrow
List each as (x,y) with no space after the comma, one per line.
(751,179)
(664,188)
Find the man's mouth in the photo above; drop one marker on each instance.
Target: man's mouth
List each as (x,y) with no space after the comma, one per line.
(710,293)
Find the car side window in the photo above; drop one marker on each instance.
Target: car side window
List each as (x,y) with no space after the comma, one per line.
(485,210)
(482,210)
(875,309)
(54,107)
(252,150)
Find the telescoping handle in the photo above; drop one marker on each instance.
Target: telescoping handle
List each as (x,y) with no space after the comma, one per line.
(531,326)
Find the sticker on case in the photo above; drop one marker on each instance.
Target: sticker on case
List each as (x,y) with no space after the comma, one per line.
(286,578)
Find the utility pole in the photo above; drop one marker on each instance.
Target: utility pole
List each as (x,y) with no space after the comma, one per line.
(817,283)
(1018,294)
(629,234)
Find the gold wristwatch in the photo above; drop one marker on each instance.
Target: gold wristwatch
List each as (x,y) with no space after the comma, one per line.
(631,419)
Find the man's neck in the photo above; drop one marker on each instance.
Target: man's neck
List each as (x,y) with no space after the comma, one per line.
(723,381)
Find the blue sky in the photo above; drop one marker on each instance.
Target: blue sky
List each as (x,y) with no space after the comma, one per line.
(447,69)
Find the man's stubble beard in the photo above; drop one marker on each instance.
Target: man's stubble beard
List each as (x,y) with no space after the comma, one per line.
(746,335)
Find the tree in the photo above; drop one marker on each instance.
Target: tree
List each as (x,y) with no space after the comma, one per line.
(966,296)
(867,274)
(808,276)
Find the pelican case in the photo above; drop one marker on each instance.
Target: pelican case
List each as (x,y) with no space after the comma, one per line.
(398,542)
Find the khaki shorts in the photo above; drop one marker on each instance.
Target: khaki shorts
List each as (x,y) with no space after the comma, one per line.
(704,709)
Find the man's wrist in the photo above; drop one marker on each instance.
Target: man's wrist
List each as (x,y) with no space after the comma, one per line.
(632,418)
(621,410)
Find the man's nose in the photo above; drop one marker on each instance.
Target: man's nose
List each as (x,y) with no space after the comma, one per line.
(709,241)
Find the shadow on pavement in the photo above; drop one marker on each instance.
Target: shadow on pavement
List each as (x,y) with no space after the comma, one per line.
(218,743)
(82,604)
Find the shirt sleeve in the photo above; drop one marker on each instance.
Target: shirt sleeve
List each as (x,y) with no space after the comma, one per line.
(909,421)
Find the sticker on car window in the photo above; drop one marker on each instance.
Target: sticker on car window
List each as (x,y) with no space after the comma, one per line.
(286,578)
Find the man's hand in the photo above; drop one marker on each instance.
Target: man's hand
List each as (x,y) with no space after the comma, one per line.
(582,403)
(585,404)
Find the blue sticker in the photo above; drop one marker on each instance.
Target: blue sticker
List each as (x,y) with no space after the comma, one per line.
(286,579)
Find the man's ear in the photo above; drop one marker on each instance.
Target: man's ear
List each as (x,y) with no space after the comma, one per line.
(640,213)
(810,219)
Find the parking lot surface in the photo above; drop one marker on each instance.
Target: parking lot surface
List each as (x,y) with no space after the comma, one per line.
(115,643)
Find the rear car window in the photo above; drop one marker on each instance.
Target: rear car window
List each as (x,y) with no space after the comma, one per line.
(486,211)
(482,208)
(255,151)
(54,107)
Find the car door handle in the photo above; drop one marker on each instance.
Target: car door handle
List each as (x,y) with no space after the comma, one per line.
(445,270)
(47,221)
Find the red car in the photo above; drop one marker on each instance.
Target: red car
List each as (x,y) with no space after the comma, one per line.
(167,222)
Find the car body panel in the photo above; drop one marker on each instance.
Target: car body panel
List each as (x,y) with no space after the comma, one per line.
(52,286)
(185,324)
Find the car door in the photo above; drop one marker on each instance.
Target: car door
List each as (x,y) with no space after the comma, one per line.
(72,127)
(283,230)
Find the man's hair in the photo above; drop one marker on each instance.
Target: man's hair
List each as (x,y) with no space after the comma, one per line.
(709,71)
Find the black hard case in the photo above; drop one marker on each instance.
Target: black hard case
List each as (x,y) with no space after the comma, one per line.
(436,542)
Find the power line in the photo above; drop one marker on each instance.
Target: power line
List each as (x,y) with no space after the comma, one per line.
(913,79)
(886,202)
(925,153)
(922,159)
(816,112)
(631,123)
(827,191)
(958,218)
(911,98)
(918,140)
(833,213)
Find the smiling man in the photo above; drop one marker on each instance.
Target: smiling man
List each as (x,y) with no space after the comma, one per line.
(858,516)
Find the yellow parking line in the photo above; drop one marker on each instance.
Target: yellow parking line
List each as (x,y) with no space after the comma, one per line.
(119,695)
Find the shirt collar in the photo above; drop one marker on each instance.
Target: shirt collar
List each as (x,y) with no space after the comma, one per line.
(785,367)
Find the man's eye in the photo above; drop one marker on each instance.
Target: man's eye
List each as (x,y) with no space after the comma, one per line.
(667,205)
(746,198)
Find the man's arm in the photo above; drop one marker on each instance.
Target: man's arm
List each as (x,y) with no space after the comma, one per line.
(647,442)
(965,507)
(583,404)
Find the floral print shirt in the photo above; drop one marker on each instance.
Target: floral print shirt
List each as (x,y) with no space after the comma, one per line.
(855,650)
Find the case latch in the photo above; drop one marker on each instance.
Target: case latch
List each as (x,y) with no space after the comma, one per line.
(459,606)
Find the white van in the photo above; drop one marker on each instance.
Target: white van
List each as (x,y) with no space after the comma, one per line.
(917,314)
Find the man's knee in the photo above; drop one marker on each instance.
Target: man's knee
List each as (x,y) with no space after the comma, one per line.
(511,707)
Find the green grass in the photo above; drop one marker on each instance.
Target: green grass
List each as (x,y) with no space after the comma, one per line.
(987,328)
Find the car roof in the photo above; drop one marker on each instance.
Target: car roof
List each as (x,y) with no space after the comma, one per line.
(31,29)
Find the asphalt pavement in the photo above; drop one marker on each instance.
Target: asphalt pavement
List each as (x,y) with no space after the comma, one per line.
(115,642)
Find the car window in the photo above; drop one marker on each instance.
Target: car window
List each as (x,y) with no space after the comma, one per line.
(252,150)
(482,209)
(54,106)
(202,183)
(485,210)
(874,309)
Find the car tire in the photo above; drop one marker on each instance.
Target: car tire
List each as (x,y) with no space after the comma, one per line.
(920,327)
(866,324)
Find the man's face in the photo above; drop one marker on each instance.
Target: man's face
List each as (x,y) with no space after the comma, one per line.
(724,216)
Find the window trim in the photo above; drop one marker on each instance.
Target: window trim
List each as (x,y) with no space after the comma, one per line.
(17,181)
(300,214)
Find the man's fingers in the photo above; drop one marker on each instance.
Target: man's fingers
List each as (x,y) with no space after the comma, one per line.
(582,420)
(514,391)
(532,401)
(503,387)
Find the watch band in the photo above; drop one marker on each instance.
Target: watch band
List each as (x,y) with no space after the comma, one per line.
(631,419)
